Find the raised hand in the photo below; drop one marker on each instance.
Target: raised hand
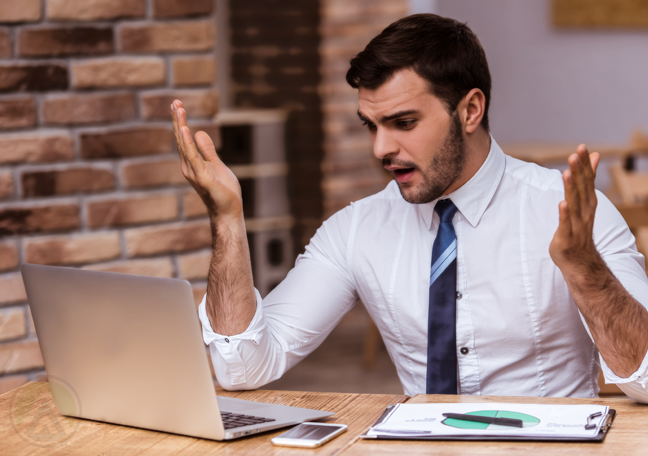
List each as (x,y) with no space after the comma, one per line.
(573,244)
(215,183)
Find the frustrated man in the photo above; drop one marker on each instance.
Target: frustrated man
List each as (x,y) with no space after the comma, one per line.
(484,274)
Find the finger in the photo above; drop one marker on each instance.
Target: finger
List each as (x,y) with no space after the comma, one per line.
(182,123)
(174,119)
(185,166)
(579,178)
(564,220)
(206,147)
(176,127)
(595,159)
(193,157)
(588,172)
(571,195)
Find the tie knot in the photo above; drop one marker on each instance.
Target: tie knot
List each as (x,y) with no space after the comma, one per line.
(446,210)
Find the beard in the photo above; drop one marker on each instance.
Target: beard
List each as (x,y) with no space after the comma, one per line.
(444,168)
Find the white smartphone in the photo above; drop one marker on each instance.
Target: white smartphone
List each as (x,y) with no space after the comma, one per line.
(309,435)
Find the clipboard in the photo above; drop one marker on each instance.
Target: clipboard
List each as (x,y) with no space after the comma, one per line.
(605,427)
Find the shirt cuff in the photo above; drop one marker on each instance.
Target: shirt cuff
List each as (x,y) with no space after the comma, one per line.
(640,376)
(228,346)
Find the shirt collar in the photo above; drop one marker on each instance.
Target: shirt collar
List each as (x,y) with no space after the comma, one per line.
(474,196)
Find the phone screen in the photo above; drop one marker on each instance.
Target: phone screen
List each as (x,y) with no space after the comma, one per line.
(310,432)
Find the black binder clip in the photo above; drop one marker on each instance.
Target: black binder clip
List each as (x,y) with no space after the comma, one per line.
(589,424)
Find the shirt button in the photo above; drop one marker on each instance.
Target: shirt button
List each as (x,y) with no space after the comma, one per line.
(459,295)
(464,350)
(227,340)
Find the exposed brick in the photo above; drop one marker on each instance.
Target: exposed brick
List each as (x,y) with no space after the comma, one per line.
(33,77)
(20,356)
(193,205)
(193,71)
(169,37)
(180,8)
(6,184)
(26,219)
(130,142)
(17,112)
(87,10)
(145,174)
(118,72)
(12,323)
(153,267)
(73,249)
(132,210)
(6,46)
(194,265)
(63,41)
(197,103)
(87,179)
(80,109)
(38,146)
(8,256)
(175,237)
(11,382)
(12,288)
(20,11)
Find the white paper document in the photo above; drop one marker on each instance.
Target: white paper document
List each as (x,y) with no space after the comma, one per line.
(427,420)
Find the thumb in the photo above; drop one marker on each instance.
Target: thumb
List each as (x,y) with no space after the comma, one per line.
(206,147)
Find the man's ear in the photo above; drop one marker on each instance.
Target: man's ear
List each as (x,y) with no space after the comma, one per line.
(472,109)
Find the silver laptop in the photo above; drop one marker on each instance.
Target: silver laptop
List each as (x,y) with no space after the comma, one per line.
(128,350)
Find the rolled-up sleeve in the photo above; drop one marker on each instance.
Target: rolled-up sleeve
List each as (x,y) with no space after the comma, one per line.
(616,244)
(295,317)
(635,386)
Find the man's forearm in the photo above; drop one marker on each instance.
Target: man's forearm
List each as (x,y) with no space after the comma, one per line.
(231,301)
(618,323)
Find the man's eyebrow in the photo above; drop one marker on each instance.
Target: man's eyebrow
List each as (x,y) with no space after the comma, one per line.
(393,116)
(398,114)
(362,117)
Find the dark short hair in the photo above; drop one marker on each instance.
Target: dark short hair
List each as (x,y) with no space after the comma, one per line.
(443,51)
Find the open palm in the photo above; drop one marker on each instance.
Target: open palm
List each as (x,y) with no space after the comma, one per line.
(217,186)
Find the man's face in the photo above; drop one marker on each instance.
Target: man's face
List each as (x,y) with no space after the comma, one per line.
(419,143)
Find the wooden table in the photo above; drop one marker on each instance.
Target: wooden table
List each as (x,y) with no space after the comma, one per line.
(628,435)
(31,425)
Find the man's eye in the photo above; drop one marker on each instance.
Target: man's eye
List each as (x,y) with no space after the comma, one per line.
(406,124)
(369,125)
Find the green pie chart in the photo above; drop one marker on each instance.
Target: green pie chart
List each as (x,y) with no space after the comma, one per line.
(527,420)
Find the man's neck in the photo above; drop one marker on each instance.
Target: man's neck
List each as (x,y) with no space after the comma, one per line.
(478,146)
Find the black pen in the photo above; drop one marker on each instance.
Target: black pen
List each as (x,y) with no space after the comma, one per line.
(486,419)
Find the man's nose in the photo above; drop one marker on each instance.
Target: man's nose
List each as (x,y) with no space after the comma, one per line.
(384,144)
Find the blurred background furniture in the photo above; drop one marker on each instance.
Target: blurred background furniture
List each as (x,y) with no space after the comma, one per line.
(252,146)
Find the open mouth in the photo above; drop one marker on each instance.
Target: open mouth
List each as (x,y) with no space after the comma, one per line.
(403,175)
(403,171)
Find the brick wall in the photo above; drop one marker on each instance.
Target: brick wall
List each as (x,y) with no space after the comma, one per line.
(349,169)
(88,171)
(294,54)
(89,176)
(275,64)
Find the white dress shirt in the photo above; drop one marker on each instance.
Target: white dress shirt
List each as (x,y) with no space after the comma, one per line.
(519,332)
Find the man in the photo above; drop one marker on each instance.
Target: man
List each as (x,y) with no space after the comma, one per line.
(484,274)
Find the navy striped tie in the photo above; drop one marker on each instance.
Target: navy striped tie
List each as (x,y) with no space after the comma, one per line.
(442,351)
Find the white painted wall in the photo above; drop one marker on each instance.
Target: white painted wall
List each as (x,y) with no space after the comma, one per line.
(422,6)
(557,85)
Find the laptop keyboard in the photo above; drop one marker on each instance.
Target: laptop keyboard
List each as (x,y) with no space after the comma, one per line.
(234,420)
